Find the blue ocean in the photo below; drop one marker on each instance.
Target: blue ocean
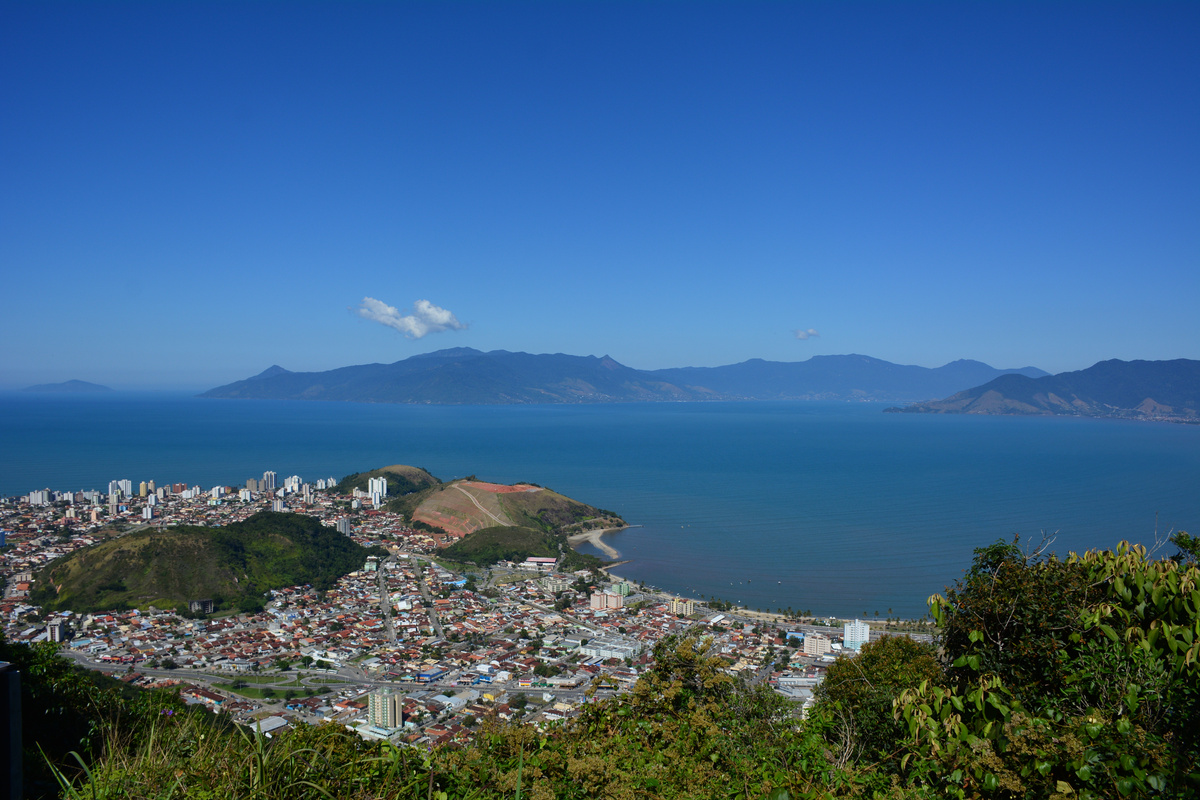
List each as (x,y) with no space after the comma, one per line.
(835,508)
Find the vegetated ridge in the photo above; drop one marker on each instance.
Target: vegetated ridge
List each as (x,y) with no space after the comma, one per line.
(232,565)
(489,545)
(401,480)
(68,387)
(463,375)
(1157,390)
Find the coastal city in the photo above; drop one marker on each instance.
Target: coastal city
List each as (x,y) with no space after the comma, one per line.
(409,647)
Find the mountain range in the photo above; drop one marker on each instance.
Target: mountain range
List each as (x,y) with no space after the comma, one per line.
(466,376)
(1161,390)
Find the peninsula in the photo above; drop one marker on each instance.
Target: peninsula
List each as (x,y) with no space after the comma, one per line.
(1167,391)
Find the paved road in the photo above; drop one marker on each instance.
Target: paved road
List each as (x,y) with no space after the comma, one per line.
(385,602)
(428,598)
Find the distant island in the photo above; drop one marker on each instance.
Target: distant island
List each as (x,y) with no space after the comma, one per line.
(68,387)
(1167,391)
(463,375)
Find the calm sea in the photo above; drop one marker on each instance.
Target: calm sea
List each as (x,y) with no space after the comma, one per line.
(837,508)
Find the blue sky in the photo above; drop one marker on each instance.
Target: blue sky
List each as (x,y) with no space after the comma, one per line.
(190,193)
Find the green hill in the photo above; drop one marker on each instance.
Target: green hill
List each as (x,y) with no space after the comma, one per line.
(401,480)
(490,545)
(233,565)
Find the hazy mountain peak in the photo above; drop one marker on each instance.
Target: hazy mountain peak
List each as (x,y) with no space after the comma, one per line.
(68,387)
(271,372)
(452,352)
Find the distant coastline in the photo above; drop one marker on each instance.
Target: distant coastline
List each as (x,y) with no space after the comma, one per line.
(68,387)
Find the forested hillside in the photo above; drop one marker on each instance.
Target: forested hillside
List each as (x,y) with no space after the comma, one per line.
(232,565)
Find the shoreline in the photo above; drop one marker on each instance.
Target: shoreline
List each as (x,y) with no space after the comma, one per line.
(593,538)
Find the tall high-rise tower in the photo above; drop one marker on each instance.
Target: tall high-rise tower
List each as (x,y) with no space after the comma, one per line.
(385,709)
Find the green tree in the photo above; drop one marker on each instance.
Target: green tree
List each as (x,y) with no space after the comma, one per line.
(858,693)
(1013,616)
(1189,547)
(1074,677)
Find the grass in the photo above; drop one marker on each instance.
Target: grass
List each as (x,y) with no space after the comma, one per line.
(457,567)
(191,755)
(267,680)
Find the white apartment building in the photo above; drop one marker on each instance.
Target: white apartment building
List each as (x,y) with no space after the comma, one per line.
(855,634)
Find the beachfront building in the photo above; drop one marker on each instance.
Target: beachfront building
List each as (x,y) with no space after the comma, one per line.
(855,634)
(817,645)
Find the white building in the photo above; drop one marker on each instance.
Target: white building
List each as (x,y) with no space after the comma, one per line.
(855,634)
(611,647)
(268,481)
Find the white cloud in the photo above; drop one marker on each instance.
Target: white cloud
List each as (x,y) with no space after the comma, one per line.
(426,317)
(807,334)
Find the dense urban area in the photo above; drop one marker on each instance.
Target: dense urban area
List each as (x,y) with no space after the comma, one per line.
(410,648)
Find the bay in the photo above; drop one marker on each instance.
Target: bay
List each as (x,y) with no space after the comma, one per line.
(835,508)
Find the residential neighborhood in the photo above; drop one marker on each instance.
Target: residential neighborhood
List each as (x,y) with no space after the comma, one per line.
(404,648)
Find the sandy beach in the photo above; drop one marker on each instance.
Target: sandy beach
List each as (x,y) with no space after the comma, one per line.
(593,538)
